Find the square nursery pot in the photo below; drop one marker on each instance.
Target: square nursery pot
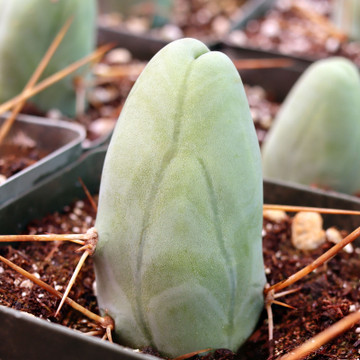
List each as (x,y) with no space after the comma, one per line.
(27,337)
(59,140)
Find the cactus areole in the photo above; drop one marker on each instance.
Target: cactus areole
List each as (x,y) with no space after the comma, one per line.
(179,260)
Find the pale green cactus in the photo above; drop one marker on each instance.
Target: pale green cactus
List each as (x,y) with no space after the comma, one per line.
(179,259)
(346,16)
(315,138)
(27,29)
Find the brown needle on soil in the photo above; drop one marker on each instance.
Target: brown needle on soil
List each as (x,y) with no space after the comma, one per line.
(322,338)
(55,77)
(81,239)
(35,77)
(291,208)
(105,322)
(189,355)
(89,248)
(88,195)
(316,263)
(269,300)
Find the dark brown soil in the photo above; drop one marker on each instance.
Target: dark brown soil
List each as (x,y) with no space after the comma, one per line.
(14,158)
(289,31)
(326,295)
(201,19)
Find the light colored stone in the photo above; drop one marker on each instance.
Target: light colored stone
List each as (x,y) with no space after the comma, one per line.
(2,179)
(333,235)
(28,284)
(275,215)
(306,231)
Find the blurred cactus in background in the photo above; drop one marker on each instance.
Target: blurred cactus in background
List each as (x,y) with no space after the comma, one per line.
(315,138)
(346,16)
(27,29)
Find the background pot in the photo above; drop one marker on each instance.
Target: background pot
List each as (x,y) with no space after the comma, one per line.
(61,140)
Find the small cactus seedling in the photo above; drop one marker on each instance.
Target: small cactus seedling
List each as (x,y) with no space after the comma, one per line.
(179,261)
(26,31)
(315,137)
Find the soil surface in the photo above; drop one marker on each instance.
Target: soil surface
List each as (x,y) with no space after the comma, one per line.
(14,158)
(201,19)
(326,295)
(290,27)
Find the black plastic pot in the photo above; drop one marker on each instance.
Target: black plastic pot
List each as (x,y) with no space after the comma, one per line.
(61,140)
(26,337)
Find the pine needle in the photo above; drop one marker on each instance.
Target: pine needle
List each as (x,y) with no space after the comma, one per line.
(5,128)
(324,337)
(103,321)
(290,208)
(55,78)
(316,263)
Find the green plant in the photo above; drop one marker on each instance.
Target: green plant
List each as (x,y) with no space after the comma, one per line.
(346,16)
(179,259)
(26,31)
(315,137)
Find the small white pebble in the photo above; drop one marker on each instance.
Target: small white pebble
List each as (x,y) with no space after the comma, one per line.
(78,211)
(357,330)
(80,204)
(58,287)
(2,179)
(306,231)
(171,32)
(267,271)
(24,293)
(73,216)
(349,248)
(76,230)
(35,267)
(333,235)
(1,270)
(352,308)
(275,215)
(118,56)
(37,275)
(40,296)
(16,282)
(27,284)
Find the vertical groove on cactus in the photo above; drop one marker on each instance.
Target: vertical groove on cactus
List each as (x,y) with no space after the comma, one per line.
(221,242)
(168,157)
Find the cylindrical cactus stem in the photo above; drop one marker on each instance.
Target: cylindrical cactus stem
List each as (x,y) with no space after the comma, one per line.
(316,134)
(179,260)
(27,29)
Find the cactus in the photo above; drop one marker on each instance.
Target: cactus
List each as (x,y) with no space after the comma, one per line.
(27,29)
(316,135)
(179,260)
(346,16)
